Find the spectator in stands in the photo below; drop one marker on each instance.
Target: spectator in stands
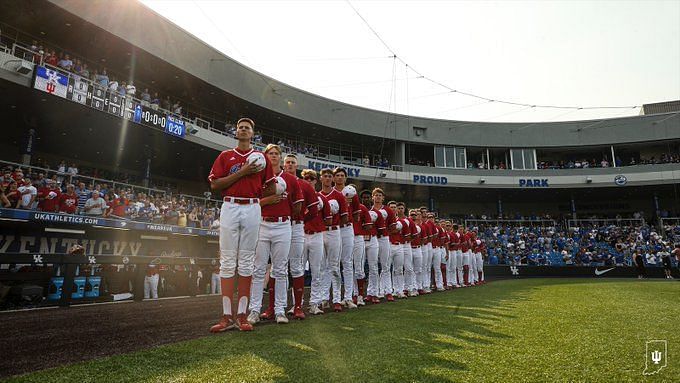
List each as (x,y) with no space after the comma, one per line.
(155,101)
(48,197)
(95,205)
(68,202)
(84,71)
(131,90)
(207,220)
(146,97)
(367,161)
(182,217)
(193,218)
(171,215)
(177,108)
(166,103)
(83,194)
(102,79)
(72,170)
(52,59)
(13,195)
(65,63)
(122,89)
(113,85)
(28,194)
(119,206)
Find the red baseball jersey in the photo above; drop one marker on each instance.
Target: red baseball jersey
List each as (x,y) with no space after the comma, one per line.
(454,243)
(46,203)
(443,238)
(68,203)
(364,219)
(416,234)
(342,202)
(379,222)
(356,204)
(314,223)
(284,207)
(465,242)
(251,186)
(406,230)
(310,205)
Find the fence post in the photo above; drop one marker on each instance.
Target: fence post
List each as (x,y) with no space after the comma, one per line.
(67,288)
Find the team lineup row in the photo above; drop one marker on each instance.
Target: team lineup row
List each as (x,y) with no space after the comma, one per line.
(271,215)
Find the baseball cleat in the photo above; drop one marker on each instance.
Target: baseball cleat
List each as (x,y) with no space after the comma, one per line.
(390,298)
(281,318)
(375,300)
(441,289)
(267,315)
(325,305)
(421,292)
(291,311)
(343,303)
(315,310)
(360,301)
(298,313)
(413,293)
(253,317)
(243,324)
(226,323)
(401,295)
(349,304)
(337,307)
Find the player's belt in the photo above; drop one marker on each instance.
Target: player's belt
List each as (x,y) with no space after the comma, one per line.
(415,247)
(276,219)
(298,222)
(348,224)
(330,228)
(241,201)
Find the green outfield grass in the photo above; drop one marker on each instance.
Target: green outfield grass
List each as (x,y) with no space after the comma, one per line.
(539,330)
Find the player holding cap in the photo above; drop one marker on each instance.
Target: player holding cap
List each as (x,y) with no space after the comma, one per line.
(361,224)
(466,244)
(332,240)
(417,251)
(397,244)
(481,250)
(313,252)
(458,247)
(242,176)
(297,244)
(389,226)
(347,234)
(428,236)
(408,276)
(274,242)
(444,252)
(372,248)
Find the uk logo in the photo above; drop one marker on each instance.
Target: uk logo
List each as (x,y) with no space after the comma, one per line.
(514,270)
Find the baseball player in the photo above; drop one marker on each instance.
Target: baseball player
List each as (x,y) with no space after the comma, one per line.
(416,250)
(274,242)
(384,249)
(428,235)
(456,240)
(313,251)
(242,176)
(451,257)
(408,253)
(481,250)
(372,248)
(466,244)
(347,235)
(310,208)
(444,253)
(437,254)
(361,224)
(332,240)
(397,243)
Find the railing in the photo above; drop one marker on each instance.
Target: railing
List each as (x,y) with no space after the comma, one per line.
(671,228)
(206,201)
(625,222)
(511,222)
(79,177)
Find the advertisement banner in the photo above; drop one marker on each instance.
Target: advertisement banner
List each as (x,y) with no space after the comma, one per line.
(51,81)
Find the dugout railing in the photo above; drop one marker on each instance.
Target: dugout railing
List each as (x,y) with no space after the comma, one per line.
(68,264)
(592,222)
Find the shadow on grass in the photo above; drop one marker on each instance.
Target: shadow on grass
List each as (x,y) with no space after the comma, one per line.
(419,339)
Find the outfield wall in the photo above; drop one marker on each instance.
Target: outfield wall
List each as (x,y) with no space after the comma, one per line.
(524,271)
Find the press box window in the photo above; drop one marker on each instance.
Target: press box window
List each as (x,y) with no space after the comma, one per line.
(450,157)
(523,159)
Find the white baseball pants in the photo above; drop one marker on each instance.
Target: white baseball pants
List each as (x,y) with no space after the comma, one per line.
(459,267)
(359,257)
(480,266)
(347,260)
(409,274)
(397,254)
(332,243)
(239,228)
(417,267)
(314,254)
(437,265)
(274,243)
(372,258)
(427,266)
(151,286)
(385,257)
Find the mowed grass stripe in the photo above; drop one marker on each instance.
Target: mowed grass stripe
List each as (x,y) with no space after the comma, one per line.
(531,330)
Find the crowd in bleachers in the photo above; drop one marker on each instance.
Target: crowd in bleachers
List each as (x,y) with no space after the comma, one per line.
(65,192)
(595,244)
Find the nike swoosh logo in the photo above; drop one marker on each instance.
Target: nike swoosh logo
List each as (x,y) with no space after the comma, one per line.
(600,272)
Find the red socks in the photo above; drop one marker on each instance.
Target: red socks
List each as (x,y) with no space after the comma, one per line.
(443,268)
(360,286)
(298,290)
